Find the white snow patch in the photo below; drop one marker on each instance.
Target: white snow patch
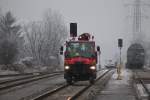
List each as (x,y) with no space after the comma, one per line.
(141,90)
(125,75)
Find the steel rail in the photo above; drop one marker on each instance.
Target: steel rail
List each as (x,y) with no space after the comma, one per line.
(49,93)
(146,88)
(17,79)
(23,74)
(142,83)
(25,81)
(87,87)
(26,77)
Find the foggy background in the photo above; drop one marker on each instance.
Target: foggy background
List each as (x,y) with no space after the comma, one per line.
(107,20)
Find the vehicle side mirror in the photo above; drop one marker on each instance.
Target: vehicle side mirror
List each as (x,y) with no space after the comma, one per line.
(61,50)
(98,48)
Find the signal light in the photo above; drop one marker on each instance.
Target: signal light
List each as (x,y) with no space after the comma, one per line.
(98,48)
(120,42)
(73,29)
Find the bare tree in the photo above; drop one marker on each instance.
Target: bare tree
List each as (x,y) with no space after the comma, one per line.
(34,40)
(45,37)
(55,31)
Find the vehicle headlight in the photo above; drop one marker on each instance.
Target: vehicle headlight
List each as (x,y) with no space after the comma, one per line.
(67,67)
(93,67)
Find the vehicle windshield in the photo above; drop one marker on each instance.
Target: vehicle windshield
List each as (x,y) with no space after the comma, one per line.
(76,49)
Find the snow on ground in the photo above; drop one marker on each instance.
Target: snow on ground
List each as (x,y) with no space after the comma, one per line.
(118,89)
(7,72)
(26,91)
(125,75)
(141,90)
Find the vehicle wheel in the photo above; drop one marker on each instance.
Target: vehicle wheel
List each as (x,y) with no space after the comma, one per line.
(91,80)
(69,81)
(74,79)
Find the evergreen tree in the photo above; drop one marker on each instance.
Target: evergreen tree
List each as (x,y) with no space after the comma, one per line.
(9,38)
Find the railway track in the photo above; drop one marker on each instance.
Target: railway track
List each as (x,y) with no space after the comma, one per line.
(24,80)
(24,74)
(145,88)
(17,78)
(141,86)
(27,76)
(68,92)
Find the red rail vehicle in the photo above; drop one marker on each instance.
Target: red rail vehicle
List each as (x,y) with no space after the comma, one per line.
(80,57)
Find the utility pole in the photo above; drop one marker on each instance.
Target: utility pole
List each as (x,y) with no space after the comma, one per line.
(137,20)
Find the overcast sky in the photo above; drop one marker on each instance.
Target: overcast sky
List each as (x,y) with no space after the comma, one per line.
(106,19)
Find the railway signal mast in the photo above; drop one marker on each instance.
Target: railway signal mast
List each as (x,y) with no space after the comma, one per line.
(120,45)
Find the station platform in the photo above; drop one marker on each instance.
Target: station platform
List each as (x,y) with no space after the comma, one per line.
(118,89)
